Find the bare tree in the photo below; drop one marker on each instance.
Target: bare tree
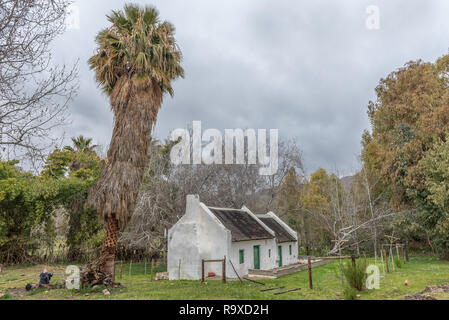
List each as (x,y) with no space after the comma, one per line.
(162,199)
(33,93)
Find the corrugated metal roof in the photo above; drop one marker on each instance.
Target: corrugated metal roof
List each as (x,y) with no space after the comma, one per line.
(242,225)
(282,235)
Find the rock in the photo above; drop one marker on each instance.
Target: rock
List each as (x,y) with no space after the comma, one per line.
(358,296)
(406,283)
(95,286)
(162,276)
(106,292)
(86,295)
(394,288)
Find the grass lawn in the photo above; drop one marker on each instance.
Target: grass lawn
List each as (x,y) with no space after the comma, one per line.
(420,271)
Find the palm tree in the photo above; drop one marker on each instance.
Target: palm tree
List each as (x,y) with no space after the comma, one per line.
(83,144)
(136,61)
(80,145)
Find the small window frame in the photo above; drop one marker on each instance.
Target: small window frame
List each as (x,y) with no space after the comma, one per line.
(242,256)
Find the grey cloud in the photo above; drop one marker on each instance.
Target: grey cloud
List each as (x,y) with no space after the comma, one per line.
(308,68)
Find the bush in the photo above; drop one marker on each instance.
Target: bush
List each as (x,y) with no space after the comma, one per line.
(350,293)
(355,275)
(398,262)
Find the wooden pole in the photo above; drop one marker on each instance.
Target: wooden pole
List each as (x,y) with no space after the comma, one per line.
(341,269)
(353,261)
(152,267)
(384,254)
(202,270)
(397,252)
(224,269)
(406,251)
(309,266)
(130,266)
(290,290)
(247,279)
(145,266)
(271,289)
(232,265)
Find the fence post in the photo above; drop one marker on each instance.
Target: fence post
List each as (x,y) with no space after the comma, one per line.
(224,269)
(384,254)
(309,266)
(202,270)
(353,261)
(406,251)
(152,267)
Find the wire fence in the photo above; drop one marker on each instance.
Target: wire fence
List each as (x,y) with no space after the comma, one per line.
(148,268)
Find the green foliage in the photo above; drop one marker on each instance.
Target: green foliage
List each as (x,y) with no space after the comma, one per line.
(408,151)
(355,275)
(7,296)
(28,202)
(398,262)
(139,45)
(350,293)
(74,170)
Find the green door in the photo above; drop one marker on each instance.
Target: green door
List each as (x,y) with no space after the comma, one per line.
(257,257)
(280,255)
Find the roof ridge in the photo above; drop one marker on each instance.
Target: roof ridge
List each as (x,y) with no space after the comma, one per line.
(230,209)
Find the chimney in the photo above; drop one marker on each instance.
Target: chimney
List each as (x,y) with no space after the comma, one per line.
(192,203)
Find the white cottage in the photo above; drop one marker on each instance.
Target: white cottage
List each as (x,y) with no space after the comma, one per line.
(248,241)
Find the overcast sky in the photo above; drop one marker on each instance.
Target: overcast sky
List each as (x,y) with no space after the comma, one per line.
(307,68)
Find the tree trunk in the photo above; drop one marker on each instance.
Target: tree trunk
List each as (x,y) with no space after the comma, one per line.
(107,257)
(101,270)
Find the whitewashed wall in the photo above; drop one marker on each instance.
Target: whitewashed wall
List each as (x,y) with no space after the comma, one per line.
(196,236)
(266,261)
(286,257)
(200,235)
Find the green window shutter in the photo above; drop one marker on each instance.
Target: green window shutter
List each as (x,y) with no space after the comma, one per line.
(242,256)
(290,249)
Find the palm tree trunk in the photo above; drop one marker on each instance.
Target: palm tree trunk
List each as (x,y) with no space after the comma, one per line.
(107,257)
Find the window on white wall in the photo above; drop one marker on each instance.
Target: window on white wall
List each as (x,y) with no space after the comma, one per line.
(242,256)
(269,253)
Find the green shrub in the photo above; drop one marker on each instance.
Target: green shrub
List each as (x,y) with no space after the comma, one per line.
(355,275)
(398,262)
(350,293)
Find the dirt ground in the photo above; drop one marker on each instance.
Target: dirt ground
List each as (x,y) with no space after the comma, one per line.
(423,295)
